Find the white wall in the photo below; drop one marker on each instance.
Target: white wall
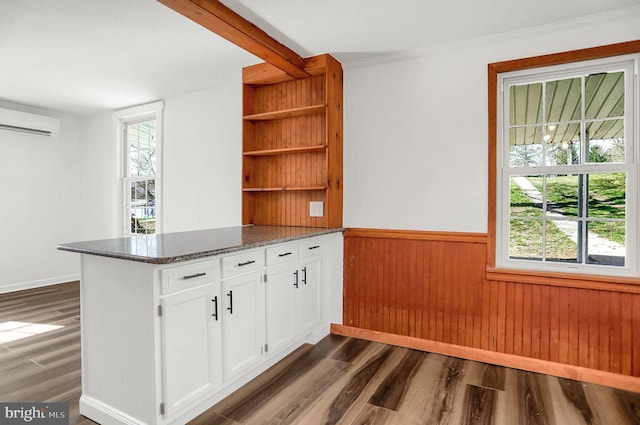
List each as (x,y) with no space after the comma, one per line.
(415,139)
(69,189)
(39,192)
(101,183)
(202,159)
(201,164)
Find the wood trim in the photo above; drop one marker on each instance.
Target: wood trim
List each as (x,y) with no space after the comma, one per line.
(218,18)
(578,373)
(591,53)
(567,280)
(421,235)
(493,70)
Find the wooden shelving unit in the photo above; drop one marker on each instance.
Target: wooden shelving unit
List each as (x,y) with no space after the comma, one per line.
(286,113)
(292,144)
(285,151)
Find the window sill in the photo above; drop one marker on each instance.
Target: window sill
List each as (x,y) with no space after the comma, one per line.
(570,280)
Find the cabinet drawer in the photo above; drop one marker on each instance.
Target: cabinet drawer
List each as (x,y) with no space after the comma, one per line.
(243,262)
(309,247)
(279,254)
(179,278)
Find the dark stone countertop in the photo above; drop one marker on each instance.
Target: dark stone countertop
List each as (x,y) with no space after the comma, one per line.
(166,248)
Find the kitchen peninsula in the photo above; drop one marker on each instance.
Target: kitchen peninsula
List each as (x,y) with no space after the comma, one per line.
(172,323)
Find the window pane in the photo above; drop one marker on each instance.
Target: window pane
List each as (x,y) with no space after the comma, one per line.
(563,195)
(604,95)
(607,195)
(605,141)
(525,199)
(561,241)
(525,102)
(602,245)
(143,212)
(563,146)
(529,154)
(142,148)
(525,239)
(563,100)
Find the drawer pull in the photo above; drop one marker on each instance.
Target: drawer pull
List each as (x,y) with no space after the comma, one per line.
(215,307)
(246,263)
(230,308)
(285,254)
(192,276)
(314,247)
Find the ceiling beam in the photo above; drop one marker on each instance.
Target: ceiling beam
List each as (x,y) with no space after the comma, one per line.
(217,17)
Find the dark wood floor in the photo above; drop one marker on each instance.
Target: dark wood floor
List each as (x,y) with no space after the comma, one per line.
(338,381)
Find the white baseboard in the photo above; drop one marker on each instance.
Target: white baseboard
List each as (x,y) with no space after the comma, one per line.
(104,414)
(21,286)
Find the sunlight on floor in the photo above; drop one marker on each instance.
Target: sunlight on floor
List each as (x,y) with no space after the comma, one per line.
(13,331)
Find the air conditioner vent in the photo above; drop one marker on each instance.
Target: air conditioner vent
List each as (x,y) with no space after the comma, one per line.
(29,123)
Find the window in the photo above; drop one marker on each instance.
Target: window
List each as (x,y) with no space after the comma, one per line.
(566,168)
(140,129)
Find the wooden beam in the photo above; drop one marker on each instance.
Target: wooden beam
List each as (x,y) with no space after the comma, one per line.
(217,17)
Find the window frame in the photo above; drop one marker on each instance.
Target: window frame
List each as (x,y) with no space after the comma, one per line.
(497,269)
(123,118)
(626,63)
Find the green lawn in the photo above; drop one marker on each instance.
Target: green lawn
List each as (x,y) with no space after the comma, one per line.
(526,235)
(606,200)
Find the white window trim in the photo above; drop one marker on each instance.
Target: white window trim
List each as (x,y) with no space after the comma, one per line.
(122,118)
(503,171)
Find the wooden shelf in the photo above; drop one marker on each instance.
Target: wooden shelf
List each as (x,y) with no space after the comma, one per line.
(286,113)
(283,189)
(292,155)
(285,151)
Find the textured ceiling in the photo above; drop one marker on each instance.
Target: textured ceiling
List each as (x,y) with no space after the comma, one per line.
(82,56)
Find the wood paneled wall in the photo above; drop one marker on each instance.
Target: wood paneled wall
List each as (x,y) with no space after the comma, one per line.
(434,286)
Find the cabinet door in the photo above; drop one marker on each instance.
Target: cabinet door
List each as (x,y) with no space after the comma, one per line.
(242,324)
(189,330)
(281,289)
(310,312)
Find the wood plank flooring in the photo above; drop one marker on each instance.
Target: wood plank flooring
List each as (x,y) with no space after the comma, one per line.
(339,381)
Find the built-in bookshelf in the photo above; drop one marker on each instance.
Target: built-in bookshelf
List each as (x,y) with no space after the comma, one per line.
(292,145)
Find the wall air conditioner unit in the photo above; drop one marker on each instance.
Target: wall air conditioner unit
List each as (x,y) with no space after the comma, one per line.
(29,123)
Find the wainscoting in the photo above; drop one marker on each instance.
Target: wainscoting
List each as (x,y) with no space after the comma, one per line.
(432,291)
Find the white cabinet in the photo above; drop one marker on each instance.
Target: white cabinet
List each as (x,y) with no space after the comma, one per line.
(190,333)
(293,284)
(242,324)
(311,254)
(242,312)
(282,281)
(309,307)
(188,341)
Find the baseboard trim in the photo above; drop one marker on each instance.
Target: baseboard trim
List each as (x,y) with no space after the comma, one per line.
(21,286)
(104,414)
(578,373)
